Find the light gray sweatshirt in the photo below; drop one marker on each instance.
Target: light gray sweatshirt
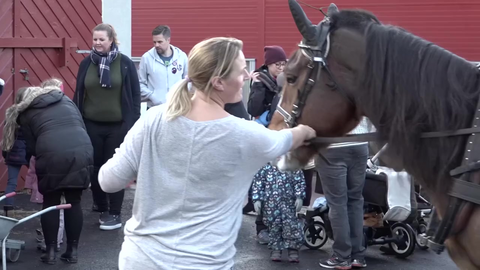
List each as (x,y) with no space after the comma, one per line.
(192,180)
(156,78)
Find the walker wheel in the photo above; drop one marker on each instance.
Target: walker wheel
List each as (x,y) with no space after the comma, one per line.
(13,254)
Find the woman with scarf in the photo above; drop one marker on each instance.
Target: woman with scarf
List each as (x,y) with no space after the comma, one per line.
(108,96)
(55,134)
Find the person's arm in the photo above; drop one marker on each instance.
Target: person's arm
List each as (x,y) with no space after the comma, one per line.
(143,79)
(122,168)
(266,145)
(135,88)
(185,67)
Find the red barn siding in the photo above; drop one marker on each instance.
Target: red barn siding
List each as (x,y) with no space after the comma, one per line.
(192,21)
(452,25)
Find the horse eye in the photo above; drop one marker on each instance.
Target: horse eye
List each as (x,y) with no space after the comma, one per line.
(291,80)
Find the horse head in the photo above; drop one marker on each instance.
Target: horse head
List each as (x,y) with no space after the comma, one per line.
(321,79)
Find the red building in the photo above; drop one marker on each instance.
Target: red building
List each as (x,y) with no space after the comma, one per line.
(452,25)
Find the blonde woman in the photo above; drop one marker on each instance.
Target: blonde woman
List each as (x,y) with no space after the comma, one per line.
(194,164)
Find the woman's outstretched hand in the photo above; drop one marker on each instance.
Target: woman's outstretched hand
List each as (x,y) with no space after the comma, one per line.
(301,134)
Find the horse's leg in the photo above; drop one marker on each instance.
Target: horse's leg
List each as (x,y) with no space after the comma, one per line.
(459,255)
(469,239)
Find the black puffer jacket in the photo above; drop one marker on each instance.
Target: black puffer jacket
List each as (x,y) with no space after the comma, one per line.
(56,135)
(262,93)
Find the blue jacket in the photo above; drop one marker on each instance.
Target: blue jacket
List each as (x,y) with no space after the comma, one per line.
(17,156)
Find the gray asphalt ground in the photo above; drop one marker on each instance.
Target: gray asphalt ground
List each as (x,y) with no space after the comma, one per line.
(99,249)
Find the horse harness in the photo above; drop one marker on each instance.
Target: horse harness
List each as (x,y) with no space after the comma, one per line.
(462,190)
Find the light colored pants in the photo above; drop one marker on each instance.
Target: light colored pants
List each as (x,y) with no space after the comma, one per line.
(343,183)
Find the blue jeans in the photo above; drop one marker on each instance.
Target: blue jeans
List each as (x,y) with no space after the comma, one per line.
(13,172)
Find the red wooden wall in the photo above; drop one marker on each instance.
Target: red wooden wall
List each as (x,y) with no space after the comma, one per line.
(452,25)
(42,36)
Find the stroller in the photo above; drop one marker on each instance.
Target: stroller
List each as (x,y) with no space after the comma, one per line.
(13,247)
(400,232)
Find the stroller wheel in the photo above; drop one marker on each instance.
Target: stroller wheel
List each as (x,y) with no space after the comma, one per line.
(13,254)
(315,235)
(422,229)
(405,245)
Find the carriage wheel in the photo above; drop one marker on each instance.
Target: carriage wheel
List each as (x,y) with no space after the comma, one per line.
(422,229)
(315,235)
(406,245)
(13,254)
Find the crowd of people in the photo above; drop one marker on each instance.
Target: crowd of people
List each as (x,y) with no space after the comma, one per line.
(184,153)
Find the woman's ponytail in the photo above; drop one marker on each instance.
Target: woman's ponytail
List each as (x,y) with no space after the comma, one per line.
(179,100)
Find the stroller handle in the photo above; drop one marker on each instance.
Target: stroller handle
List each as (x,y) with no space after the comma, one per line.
(64,206)
(11,194)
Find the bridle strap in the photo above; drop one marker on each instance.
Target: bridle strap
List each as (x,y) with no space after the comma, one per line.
(373,136)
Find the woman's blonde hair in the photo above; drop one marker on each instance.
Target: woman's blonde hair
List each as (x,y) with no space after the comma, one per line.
(112,35)
(214,57)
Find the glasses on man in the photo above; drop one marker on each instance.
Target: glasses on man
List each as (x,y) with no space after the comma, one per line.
(280,64)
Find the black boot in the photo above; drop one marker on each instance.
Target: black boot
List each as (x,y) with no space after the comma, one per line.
(6,209)
(49,257)
(70,256)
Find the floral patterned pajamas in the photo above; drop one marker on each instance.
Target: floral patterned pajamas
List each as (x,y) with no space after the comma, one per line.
(278,192)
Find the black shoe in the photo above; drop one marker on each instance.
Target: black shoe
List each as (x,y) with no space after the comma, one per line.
(113,222)
(49,257)
(70,256)
(6,209)
(104,217)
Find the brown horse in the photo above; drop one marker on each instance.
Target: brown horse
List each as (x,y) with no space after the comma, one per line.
(405,85)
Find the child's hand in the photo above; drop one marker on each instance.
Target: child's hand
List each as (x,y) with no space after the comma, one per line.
(298,204)
(257,206)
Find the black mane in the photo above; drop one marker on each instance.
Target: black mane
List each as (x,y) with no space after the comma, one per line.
(410,86)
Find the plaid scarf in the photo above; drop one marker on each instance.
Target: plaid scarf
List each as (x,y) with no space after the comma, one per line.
(103,60)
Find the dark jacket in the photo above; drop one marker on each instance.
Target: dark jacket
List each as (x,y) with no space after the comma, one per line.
(56,135)
(17,156)
(237,109)
(262,93)
(130,91)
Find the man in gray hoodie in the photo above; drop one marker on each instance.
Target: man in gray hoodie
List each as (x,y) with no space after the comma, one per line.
(161,67)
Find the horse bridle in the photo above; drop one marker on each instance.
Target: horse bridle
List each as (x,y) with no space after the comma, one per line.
(317,56)
(462,190)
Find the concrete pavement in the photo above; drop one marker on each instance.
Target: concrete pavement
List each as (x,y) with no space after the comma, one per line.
(99,249)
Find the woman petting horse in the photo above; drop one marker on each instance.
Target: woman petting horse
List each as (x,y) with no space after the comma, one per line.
(408,88)
(196,163)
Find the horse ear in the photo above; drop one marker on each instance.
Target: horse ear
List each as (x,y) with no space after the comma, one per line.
(332,9)
(304,25)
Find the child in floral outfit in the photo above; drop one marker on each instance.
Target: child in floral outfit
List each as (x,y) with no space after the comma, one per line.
(279,195)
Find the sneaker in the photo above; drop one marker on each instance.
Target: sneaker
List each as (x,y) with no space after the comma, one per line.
(336,263)
(276,255)
(293,256)
(104,217)
(263,237)
(112,223)
(359,263)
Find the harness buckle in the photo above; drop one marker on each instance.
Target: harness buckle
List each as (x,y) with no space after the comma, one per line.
(319,60)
